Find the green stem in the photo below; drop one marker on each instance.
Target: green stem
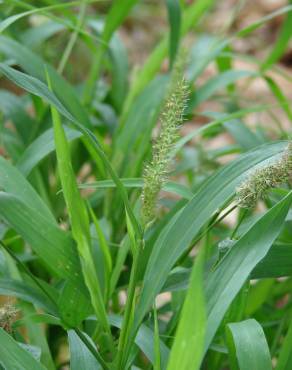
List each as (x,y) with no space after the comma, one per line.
(239,223)
(124,342)
(73,38)
(213,222)
(216,221)
(94,74)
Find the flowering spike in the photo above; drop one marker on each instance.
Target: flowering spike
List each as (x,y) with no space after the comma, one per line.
(171,117)
(7,316)
(263,179)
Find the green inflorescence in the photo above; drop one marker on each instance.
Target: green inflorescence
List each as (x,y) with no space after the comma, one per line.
(263,179)
(171,117)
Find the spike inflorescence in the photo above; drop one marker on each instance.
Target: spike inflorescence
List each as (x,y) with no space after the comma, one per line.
(155,173)
(263,179)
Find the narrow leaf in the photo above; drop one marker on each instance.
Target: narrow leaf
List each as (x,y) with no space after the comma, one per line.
(79,222)
(188,346)
(174,19)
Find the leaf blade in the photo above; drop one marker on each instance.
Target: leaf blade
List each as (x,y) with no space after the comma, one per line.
(188,347)
(248,346)
(13,356)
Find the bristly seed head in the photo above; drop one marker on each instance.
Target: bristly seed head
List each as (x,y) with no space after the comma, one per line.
(263,179)
(171,117)
(7,316)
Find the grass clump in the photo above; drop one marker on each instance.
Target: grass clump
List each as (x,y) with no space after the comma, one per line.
(100,278)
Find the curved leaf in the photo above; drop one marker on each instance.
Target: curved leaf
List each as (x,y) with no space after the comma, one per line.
(247,345)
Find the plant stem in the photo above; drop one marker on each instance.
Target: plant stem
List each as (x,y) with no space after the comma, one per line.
(94,74)
(124,342)
(239,223)
(73,38)
(213,222)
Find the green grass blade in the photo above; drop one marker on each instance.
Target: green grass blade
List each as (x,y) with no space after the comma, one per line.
(174,19)
(213,124)
(76,207)
(283,100)
(257,295)
(188,347)
(258,23)
(34,65)
(78,217)
(13,356)
(138,125)
(10,20)
(118,12)
(157,362)
(218,82)
(120,71)
(119,263)
(38,318)
(171,187)
(281,44)
(104,248)
(285,355)
(247,346)
(35,36)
